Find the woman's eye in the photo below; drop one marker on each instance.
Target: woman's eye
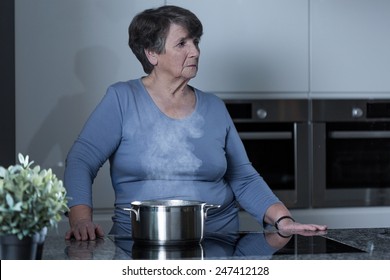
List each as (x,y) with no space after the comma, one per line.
(185,42)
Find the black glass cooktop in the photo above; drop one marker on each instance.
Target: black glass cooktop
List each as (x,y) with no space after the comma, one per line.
(315,245)
(254,245)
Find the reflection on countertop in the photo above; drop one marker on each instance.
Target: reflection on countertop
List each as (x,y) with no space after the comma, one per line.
(355,244)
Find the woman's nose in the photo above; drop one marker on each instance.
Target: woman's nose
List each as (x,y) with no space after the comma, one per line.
(194,51)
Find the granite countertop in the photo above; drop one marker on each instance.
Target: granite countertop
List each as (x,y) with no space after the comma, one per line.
(353,244)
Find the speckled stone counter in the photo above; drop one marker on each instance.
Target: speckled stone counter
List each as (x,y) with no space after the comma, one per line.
(353,244)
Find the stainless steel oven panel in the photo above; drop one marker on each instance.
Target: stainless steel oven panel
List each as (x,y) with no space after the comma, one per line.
(280,110)
(274,110)
(332,110)
(318,165)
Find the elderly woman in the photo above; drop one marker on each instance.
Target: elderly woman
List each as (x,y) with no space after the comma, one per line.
(167,140)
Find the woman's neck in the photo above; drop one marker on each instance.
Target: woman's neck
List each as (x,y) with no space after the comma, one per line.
(175,98)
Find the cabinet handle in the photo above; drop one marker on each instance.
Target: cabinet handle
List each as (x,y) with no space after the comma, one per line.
(359,134)
(265,135)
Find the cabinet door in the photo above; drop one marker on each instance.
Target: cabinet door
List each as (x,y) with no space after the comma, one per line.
(350,46)
(252,45)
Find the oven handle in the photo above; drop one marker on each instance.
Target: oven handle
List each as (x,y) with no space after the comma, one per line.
(265,135)
(359,134)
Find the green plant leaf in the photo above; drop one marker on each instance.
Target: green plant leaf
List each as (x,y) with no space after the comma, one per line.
(2,172)
(10,200)
(18,206)
(21,158)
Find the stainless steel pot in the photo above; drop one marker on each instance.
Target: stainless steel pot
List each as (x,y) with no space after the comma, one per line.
(168,222)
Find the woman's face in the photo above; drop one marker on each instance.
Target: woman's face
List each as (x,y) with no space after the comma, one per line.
(181,56)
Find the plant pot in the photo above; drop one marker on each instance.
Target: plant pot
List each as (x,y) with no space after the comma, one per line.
(41,241)
(13,248)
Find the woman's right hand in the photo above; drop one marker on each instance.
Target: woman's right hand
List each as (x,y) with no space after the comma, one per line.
(81,224)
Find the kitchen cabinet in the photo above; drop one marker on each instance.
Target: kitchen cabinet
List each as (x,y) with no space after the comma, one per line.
(252,45)
(349,46)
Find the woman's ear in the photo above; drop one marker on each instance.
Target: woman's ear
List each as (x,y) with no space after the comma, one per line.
(152,57)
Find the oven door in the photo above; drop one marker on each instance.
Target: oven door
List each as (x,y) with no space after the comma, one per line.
(351,162)
(278,151)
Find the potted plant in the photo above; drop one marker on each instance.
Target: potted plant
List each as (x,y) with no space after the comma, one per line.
(31,200)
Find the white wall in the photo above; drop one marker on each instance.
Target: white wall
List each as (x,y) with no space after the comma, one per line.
(252,45)
(67,53)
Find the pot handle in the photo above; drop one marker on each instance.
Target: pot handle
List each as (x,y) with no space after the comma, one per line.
(207,207)
(136,212)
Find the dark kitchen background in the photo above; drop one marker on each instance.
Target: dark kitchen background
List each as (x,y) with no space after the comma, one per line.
(64,54)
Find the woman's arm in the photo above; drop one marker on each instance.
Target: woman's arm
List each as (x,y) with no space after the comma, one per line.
(100,136)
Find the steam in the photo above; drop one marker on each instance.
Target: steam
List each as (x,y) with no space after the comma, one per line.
(169,156)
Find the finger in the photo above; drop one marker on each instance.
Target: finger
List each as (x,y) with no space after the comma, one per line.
(318,227)
(312,227)
(77,235)
(90,232)
(99,231)
(68,235)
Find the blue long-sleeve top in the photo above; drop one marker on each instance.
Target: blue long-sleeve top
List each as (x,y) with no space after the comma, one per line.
(153,156)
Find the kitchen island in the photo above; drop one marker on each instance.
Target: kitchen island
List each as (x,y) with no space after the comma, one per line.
(335,244)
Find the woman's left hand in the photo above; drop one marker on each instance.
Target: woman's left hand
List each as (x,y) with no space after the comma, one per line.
(292,226)
(295,227)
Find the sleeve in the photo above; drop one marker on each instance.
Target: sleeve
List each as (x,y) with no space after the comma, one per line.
(251,191)
(254,244)
(98,139)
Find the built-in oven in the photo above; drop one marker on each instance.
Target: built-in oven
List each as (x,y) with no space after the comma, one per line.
(351,153)
(275,136)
